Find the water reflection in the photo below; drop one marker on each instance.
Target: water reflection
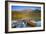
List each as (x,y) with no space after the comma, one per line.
(38,23)
(23,24)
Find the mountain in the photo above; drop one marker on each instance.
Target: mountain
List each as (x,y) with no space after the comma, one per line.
(24,11)
(27,10)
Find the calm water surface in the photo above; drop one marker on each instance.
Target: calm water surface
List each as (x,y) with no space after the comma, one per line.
(23,24)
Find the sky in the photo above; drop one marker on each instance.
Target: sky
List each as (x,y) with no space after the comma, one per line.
(24,7)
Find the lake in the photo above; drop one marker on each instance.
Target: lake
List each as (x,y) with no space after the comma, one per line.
(23,24)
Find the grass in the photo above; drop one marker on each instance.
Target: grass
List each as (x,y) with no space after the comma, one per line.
(20,15)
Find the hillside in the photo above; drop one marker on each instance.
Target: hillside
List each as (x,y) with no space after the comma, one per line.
(35,14)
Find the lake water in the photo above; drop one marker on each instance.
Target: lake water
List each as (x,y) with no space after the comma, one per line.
(23,24)
(38,23)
